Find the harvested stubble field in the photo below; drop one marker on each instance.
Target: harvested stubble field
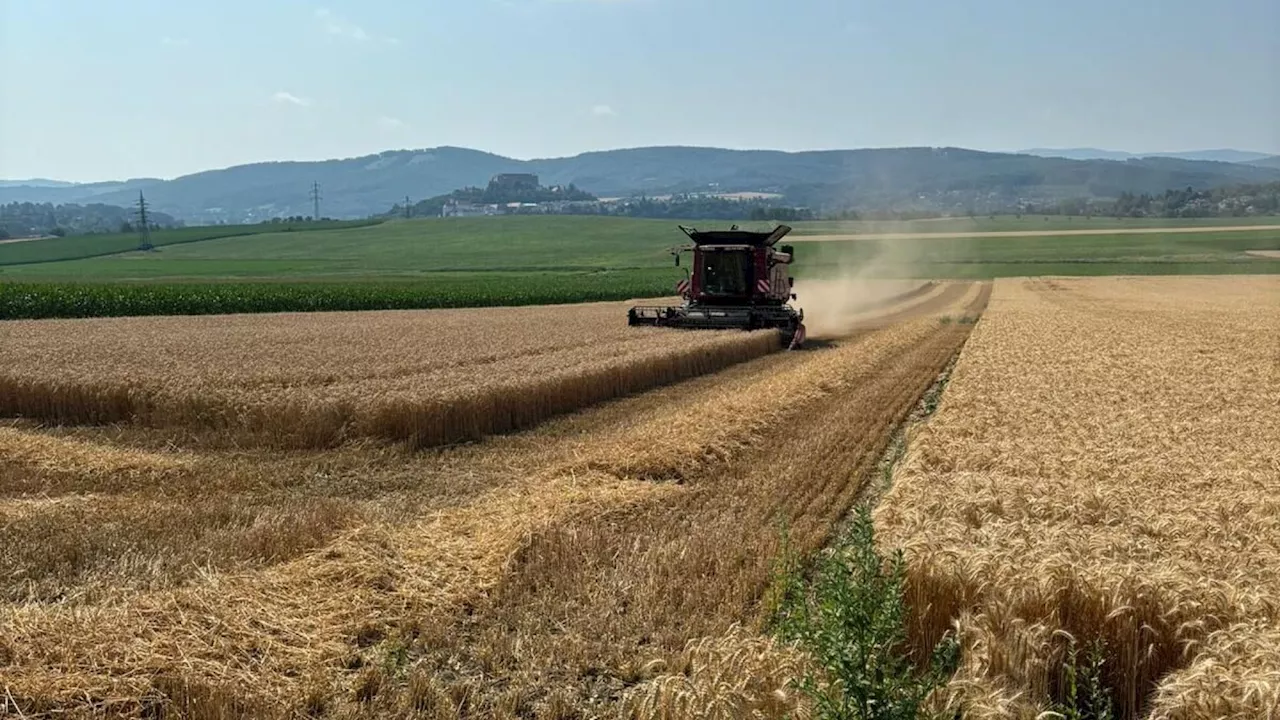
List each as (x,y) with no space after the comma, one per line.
(575,569)
(1105,466)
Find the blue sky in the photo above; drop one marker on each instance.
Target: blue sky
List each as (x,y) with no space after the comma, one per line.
(93,90)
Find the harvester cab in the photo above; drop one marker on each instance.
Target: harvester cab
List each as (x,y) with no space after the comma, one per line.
(737,279)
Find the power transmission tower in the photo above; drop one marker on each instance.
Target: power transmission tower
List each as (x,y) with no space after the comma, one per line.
(315,199)
(144,225)
(406,207)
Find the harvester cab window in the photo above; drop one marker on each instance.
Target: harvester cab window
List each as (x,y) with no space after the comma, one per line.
(725,272)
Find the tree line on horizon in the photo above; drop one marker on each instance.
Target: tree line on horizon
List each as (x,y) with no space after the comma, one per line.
(26,219)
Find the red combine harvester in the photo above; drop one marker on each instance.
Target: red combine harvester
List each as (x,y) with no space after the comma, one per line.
(739,280)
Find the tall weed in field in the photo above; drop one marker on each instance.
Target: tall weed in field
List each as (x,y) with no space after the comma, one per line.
(1085,696)
(851,619)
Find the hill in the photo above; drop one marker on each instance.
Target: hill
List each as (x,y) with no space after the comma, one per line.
(121,192)
(911,178)
(36,182)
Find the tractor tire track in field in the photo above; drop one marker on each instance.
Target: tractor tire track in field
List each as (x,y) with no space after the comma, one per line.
(593,605)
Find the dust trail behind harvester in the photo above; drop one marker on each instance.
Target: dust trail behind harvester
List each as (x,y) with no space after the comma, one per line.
(841,292)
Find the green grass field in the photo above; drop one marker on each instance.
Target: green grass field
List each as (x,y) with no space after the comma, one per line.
(542,259)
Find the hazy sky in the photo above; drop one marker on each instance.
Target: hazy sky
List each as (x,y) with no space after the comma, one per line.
(93,90)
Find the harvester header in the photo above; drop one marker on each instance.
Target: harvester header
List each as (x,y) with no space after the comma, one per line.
(738,279)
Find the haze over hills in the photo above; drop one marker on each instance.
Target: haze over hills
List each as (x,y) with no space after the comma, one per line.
(36,182)
(1220,155)
(57,191)
(914,177)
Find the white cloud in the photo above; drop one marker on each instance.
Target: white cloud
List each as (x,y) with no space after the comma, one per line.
(174,42)
(288,98)
(337,25)
(387,122)
(603,111)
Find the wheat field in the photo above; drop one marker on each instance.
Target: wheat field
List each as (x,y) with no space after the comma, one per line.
(1104,466)
(317,379)
(149,572)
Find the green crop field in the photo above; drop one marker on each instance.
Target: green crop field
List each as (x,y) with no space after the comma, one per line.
(545,259)
(90,246)
(69,300)
(405,249)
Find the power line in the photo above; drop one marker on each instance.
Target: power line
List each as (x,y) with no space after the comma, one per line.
(315,199)
(144,224)
(407,209)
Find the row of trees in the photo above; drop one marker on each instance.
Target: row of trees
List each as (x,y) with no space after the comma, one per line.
(292,220)
(781,214)
(36,219)
(1229,201)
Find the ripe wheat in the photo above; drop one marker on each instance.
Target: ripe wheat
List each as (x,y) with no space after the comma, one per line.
(1104,465)
(388,552)
(314,380)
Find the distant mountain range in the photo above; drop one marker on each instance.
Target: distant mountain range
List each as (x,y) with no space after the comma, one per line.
(36,182)
(919,178)
(57,191)
(1222,155)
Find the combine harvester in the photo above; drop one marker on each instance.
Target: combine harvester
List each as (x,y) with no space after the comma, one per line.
(739,281)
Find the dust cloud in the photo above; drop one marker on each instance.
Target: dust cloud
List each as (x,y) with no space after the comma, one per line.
(843,283)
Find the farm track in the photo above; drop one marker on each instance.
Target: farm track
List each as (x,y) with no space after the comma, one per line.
(845,237)
(246,581)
